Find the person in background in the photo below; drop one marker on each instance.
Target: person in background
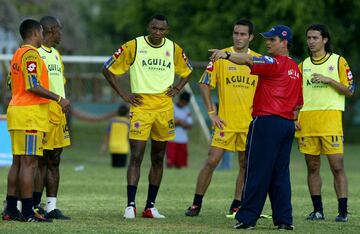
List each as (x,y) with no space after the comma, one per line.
(116,138)
(177,149)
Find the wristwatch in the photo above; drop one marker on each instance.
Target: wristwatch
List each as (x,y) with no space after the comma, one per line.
(227,55)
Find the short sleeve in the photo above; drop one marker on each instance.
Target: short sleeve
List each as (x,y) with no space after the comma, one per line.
(120,62)
(183,67)
(31,68)
(345,74)
(209,77)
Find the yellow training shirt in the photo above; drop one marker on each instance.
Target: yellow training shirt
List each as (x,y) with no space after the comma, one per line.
(118,131)
(325,122)
(123,59)
(236,90)
(55,67)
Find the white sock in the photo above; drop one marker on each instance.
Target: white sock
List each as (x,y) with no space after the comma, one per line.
(50,204)
(19,205)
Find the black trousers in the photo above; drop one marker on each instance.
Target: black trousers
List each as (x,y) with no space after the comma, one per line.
(268,148)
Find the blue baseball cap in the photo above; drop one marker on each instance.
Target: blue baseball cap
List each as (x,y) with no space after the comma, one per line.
(282,31)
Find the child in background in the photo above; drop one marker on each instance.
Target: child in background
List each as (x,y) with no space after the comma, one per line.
(116,139)
(176,150)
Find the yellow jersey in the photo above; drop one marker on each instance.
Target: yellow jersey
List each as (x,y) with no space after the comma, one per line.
(236,90)
(325,122)
(123,59)
(55,67)
(118,132)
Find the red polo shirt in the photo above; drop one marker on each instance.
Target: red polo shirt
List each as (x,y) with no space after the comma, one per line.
(279,88)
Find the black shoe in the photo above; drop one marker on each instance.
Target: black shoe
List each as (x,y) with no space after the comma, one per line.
(37,219)
(56,214)
(285,227)
(241,225)
(39,210)
(8,216)
(316,215)
(193,211)
(342,217)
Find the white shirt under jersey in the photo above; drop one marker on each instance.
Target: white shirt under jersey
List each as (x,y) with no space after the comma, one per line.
(184,114)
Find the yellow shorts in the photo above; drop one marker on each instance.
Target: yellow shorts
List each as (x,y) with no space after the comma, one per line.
(27,142)
(316,145)
(232,141)
(159,126)
(58,135)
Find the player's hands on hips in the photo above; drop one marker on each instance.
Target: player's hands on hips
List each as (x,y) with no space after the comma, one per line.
(216,121)
(133,99)
(217,54)
(172,91)
(65,104)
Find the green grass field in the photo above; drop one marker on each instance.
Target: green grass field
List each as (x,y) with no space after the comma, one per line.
(95,197)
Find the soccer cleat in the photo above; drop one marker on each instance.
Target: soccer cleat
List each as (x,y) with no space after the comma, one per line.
(342,217)
(8,216)
(39,210)
(285,227)
(152,213)
(232,213)
(37,218)
(241,225)
(193,210)
(130,212)
(56,214)
(316,215)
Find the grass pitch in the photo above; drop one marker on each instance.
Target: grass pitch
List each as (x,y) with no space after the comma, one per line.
(94,194)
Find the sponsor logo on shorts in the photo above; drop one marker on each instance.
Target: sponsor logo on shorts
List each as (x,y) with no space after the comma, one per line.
(137,125)
(335,145)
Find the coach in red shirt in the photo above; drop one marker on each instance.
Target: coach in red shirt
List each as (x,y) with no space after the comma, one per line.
(269,141)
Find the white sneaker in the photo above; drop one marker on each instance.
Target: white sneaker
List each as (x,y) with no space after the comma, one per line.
(130,212)
(152,213)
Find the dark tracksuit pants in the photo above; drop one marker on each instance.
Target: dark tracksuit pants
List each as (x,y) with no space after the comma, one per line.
(268,150)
